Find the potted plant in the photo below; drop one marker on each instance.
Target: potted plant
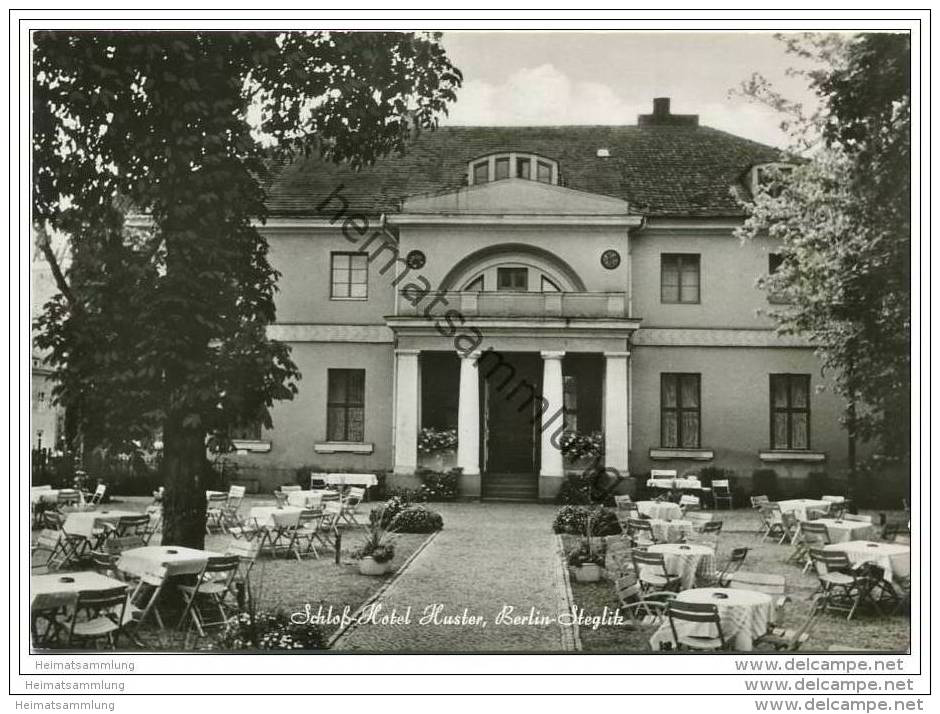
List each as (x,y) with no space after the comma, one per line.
(587,559)
(377,550)
(582,450)
(437,448)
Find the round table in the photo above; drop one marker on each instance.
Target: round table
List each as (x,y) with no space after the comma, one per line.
(745,616)
(664,510)
(686,560)
(799,507)
(671,531)
(893,558)
(84,523)
(843,531)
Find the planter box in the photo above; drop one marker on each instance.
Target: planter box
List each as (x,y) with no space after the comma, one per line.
(439,463)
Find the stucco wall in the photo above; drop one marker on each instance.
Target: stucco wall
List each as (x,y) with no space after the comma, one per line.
(301,423)
(735,416)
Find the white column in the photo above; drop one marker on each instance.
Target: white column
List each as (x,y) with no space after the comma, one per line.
(407,378)
(616,412)
(468,416)
(553,392)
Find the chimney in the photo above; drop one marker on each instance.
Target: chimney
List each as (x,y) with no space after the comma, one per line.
(662,116)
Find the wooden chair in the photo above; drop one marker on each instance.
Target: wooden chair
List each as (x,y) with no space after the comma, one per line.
(350,505)
(625,509)
(618,560)
(95,498)
(731,566)
(697,614)
(211,588)
(644,611)
(811,535)
(214,505)
(651,572)
(143,600)
(771,522)
(709,535)
(99,614)
(247,553)
(57,545)
(280,499)
(841,585)
(307,533)
(721,493)
(318,480)
(640,532)
(235,496)
(767,583)
(790,640)
(688,502)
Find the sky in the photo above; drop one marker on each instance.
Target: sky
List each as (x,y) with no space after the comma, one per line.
(514,78)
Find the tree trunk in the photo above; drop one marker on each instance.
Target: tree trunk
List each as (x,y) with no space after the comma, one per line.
(850,418)
(184,476)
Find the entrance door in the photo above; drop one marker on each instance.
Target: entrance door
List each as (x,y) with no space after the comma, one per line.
(509,419)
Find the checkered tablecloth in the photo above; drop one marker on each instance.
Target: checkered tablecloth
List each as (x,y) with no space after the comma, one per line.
(663,510)
(843,531)
(799,507)
(744,615)
(687,561)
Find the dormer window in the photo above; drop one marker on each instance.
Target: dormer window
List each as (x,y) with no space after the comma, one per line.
(497,167)
(767,177)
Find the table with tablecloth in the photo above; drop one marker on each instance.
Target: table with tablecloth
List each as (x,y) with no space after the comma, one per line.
(84,523)
(671,531)
(175,558)
(893,558)
(687,560)
(800,506)
(57,590)
(51,495)
(675,484)
(745,616)
(663,510)
(841,531)
(310,498)
(274,516)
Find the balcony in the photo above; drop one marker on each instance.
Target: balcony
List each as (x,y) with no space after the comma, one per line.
(581,305)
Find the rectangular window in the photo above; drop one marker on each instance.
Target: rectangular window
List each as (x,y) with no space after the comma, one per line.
(571,402)
(481,172)
(502,168)
(345,404)
(774,261)
(544,172)
(248,431)
(681,410)
(349,275)
(679,278)
(789,411)
(524,168)
(512,278)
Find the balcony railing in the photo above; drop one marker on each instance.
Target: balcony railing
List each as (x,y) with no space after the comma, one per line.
(525,304)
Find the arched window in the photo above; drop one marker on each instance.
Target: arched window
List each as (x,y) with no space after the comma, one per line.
(512,164)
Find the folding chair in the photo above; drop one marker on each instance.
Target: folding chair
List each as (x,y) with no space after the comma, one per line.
(721,493)
(235,496)
(277,534)
(790,640)
(697,614)
(331,518)
(211,588)
(68,497)
(105,614)
(317,480)
(143,600)
(839,582)
(811,535)
(653,574)
(46,618)
(625,509)
(280,499)
(350,505)
(105,563)
(688,502)
(709,535)
(647,610)
(156,523)
(307,532)
(57,545)
(239,527)
(698,519)
(618,560)
(247,553)
(771,522)
(214,505)
(731,566)
(640,532)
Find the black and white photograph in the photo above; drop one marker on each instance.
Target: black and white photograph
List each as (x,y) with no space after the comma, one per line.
(408,340)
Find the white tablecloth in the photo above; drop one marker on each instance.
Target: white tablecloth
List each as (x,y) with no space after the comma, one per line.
(61,589)
(744,615)
(364,480)
(270,516)
(310,498)
(799,507)
(83,523)
(894,558)
(843,531)
(177,560)
(686,561)
(671,531)
(675,483)
(663,510)
(51,495)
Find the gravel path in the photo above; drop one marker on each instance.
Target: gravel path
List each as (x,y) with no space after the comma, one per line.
(489,557)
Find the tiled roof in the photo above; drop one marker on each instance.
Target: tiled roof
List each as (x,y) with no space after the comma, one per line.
(659,170)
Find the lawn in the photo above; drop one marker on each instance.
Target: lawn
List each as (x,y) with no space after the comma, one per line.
(865,631)
(288,584)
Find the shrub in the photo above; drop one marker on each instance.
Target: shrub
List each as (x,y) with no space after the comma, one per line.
(432,440)
(764,483)
(268,631)
(573,520)
(593,485)
(418,519)
(438,487)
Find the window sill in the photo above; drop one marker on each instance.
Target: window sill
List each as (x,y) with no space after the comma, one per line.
(782,455)
(688,454)
(253,446)
(342,447)
(349,299)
